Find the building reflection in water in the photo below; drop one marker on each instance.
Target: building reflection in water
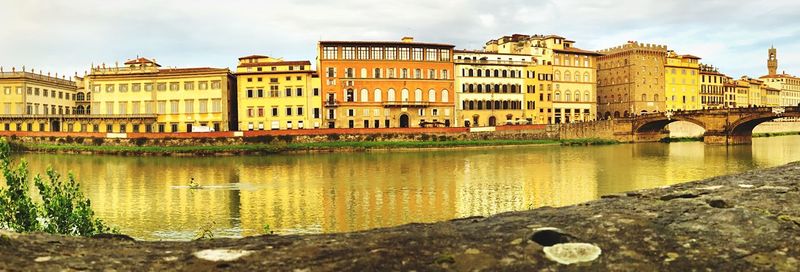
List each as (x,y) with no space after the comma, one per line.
(147,197)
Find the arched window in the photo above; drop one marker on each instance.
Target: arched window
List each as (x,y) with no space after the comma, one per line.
(376,73)
(496,73)
(578,96)
(567,96)
(471,105)
(363,72)
(470,73)
(644,97)
(557,76)
(586,96)
(364,95)
(577,75)
(88,98)
(479,73)
(404,95)
(80,97)
(586,77)
(377,96)
(350,95)
(567,76)
(487,73)
(558,96)
(445,96)
(418,95)
(480,88)
(655,97)
(431,95)
(390,95)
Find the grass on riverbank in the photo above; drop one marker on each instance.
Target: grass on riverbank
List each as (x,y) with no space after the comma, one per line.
(700,138)
(260,148)
(774,134)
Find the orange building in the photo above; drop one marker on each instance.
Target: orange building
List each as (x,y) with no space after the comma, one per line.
(378,84)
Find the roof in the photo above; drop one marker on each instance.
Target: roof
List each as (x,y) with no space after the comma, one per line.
(253,57)
(689,56)
(141,61)
(577,51)
(275,63)
(488,53)
(191,70)
(395,43)
(778,76)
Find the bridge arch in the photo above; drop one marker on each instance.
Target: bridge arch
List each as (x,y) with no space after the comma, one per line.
(659,123)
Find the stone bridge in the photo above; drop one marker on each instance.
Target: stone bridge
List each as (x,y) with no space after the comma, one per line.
(723,126)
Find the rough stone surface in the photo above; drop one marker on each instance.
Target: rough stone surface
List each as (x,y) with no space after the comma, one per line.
(710,225)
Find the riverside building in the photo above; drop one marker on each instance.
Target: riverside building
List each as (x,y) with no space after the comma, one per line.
(788,85)
(682,82)
(574,72)
(631,79)
(34,101)
(385,84)
(274,94)
(490,88)
(162,99)
(712,93)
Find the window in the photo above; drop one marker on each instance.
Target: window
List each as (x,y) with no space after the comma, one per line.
(300,110)
(416,53)
(363,72)
(445,96)
(136,87)
(364,95)
(377,53)
(404,53)
(216,105)
(288,111)
(418,73)
(377,95)
(299,91)
(202,85)
(431,54)
(404,73)
(390,53)
(348,53)
(260,93)
(109,107)
(273,91)
(123,107)
(174,86)
(249,93)
(216,85)
(363,53)
(390,73)
(417,95)
(431,95)
(376,73)
(123,87)
(390,95)
(274,111)
(288,92)
(109,88)
(329,52)
(444,55)
(431,74)
(174,106)
(203,105)
(188,86)
(189,106)
(444,74)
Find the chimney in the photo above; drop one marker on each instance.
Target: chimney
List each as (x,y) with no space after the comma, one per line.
(408,39)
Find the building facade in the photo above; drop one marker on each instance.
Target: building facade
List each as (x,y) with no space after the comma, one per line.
(181,99)
(631,80)
(34,101)
(490,88)
(574,72)
(682,82)
(788,84)
(539,94)
(274,94)
(712,92)
(379,84)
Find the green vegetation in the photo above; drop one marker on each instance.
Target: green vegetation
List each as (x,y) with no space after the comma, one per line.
(267,229)
(774,134)
(281,147)
(63,209)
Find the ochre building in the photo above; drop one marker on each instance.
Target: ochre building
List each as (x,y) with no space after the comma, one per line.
(273,94)
(631,80)
(379,84)
(181,99)
(712,93)
(34,101)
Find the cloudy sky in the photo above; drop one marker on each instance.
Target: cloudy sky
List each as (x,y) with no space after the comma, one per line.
(68,36)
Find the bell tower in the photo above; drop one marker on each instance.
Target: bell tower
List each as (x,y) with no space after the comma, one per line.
(772,62)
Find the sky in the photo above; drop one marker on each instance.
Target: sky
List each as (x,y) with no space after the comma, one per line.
(66,37)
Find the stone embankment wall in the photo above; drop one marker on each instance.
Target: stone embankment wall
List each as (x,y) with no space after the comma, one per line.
(287,136)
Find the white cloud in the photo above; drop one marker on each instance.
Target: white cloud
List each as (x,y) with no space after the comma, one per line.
(66,36)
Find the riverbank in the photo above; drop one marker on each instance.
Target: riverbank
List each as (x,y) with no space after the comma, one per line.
(747,221)
(281,147)
(700,138)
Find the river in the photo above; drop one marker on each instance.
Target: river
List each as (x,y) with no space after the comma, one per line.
(148,197)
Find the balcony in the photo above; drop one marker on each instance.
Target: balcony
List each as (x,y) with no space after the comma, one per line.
(331,103)
(406,104)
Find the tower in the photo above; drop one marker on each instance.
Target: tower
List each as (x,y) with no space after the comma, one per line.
(772,62)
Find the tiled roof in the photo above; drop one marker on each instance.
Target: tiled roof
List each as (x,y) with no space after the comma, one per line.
(276,63)
(253,57)
(191,70)
(690,56)
(779,76)
(577,51)
(140,61)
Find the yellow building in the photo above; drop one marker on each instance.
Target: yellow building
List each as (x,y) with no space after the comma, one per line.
(729,91)
(539,94)
(712,92)
(754,91)
(574,72)
(788,85)
(771,97)
(34,101)
(182,99)
(631,80)
(489,88)
(742,93)
(276,94)
(682,85)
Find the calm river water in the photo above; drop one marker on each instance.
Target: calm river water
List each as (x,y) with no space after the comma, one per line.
(147,197)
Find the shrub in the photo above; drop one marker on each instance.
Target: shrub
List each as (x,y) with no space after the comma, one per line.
(63,209)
